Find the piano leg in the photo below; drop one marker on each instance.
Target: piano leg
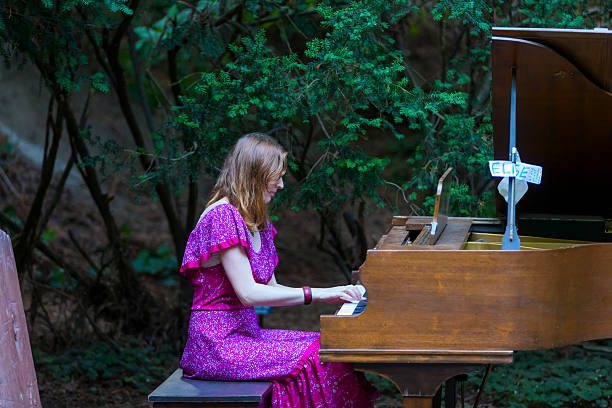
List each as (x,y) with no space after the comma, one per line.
(418,383)
(450,392)
(437,399)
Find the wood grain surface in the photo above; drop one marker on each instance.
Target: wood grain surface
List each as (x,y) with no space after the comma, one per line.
(479,300)
(18,386)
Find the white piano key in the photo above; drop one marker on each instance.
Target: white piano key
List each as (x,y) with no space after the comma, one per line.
(347,309)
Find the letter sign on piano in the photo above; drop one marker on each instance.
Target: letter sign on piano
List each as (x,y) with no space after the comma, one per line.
(522,171)
(529,172)
(502,168)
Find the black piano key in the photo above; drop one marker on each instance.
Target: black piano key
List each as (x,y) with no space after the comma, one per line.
(360,307)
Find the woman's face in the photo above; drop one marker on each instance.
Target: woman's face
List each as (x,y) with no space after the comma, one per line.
(272,188)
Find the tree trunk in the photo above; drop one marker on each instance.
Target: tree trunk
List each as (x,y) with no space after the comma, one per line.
(30,233)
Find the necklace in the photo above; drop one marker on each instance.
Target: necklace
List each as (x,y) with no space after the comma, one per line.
(256,239)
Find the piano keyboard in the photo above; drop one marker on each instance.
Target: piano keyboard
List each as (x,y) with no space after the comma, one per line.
(354,308)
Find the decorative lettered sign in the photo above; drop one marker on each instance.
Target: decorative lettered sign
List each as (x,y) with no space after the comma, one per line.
(529,172)
(502,168)
(521,171)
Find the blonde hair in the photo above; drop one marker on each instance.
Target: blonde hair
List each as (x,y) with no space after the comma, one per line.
(255,160)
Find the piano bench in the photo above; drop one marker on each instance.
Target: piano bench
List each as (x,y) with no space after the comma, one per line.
(179,392)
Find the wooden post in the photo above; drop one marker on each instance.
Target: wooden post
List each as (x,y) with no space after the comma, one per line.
(18,386)
(418,402)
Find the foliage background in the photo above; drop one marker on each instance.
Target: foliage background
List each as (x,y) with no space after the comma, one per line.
(372,99)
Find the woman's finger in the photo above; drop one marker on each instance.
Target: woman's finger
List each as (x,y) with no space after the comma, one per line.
(354,292)
(347,291)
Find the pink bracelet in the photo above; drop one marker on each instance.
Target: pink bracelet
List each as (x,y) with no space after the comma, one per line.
(307,295)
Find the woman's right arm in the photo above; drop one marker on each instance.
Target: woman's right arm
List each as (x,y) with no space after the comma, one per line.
(251,293)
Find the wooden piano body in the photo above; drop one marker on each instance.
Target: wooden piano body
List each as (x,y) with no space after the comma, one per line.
(442,309)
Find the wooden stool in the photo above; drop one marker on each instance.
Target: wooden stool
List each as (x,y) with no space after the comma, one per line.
(179,392)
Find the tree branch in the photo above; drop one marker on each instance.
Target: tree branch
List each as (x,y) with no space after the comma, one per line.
(29,234)
(123,27)
(58,194)
(192,203)
(44,248)
(139,85)
(229,15)
(175,84)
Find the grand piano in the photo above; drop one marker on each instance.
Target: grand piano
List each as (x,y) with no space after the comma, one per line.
(443,297)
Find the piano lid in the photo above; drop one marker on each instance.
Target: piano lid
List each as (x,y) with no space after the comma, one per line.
(564,115)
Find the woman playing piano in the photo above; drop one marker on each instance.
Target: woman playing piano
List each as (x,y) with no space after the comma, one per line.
(229,261)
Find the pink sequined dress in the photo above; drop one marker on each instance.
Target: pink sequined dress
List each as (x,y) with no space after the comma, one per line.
(225,341)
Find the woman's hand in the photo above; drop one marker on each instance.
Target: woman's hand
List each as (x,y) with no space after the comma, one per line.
(337,294)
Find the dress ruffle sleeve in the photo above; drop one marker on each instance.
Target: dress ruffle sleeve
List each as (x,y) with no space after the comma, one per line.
(220,228)
(274,232)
